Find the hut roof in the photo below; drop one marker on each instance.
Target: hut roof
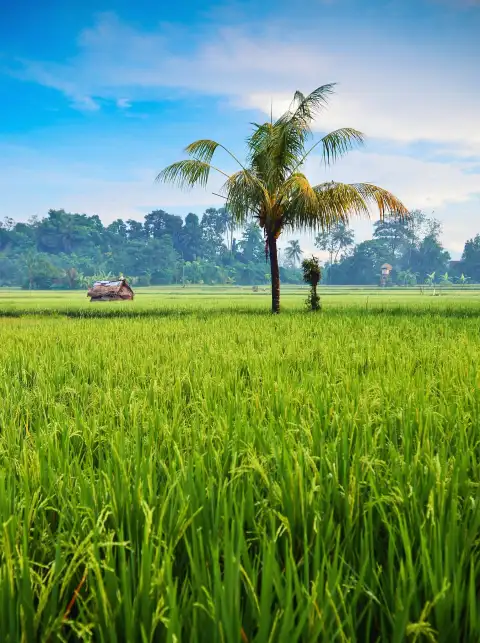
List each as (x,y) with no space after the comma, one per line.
(109,288)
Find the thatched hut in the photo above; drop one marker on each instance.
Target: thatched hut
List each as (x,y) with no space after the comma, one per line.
(110,291)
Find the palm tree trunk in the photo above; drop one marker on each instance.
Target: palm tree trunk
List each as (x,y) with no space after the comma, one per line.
(275,273)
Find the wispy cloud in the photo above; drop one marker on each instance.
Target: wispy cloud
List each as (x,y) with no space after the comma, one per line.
(53,76)
(130,192)
(391,90)
(399,93)
(124,103)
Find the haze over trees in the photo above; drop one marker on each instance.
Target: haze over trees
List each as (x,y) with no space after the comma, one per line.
(69,250)
(66,250)
(411,246)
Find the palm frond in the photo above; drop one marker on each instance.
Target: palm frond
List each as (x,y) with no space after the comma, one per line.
(306,108)
(386,202)
(337,203)
(298,197)
(245,194)
(335,145)
(332,203)
(283,143)
(274,151)
(340,142)
(204,149)
(259,143)
(188,173)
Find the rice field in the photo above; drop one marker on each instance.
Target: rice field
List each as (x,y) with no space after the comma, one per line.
(188,468)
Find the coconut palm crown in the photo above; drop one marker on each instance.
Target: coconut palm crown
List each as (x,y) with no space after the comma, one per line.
(293,252)
(270,185)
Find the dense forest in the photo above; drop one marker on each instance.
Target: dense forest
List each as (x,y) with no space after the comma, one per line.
(70,250)
(66,250)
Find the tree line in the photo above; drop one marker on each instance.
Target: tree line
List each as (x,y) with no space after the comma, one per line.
(411,246)
(65,250)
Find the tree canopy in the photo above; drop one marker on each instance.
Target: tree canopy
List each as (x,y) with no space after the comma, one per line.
(65,250)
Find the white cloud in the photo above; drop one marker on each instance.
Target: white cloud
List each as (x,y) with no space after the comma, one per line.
(390,90)
(401,93)
(77,186)
(123,103)
(443,190)
(419,183)
(53,76)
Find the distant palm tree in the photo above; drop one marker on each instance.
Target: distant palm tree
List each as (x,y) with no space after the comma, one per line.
(293,252)
(339,237)
(407,277)
(271,185)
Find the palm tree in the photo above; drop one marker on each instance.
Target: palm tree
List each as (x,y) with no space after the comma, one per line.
(270,185)
(293,252)
(407,277)
(339,237)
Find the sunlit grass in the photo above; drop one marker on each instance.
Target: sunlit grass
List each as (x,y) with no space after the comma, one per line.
(218,474)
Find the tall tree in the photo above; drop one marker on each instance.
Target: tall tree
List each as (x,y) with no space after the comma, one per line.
(471,258)
(118,228)
(215,225)
(395,235)
(293,252)
(430,257)
(334,240)
(135,230)
(251,244)
(191,238)
(271,186)
(362,267)
(159,223)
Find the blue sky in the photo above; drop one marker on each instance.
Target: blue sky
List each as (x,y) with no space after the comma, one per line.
(97,99)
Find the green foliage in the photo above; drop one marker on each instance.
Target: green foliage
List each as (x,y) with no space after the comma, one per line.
(293,252)
(311,275)
(411,246)
(335,240)
(252,244)
(471,258)
(193,480)
(67,250)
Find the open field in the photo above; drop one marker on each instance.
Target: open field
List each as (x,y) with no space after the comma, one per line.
(186,467)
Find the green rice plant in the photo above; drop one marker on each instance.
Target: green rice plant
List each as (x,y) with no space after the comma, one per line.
(181,471)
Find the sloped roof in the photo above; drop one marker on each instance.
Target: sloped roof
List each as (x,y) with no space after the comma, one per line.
(108,288)
(107,283)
